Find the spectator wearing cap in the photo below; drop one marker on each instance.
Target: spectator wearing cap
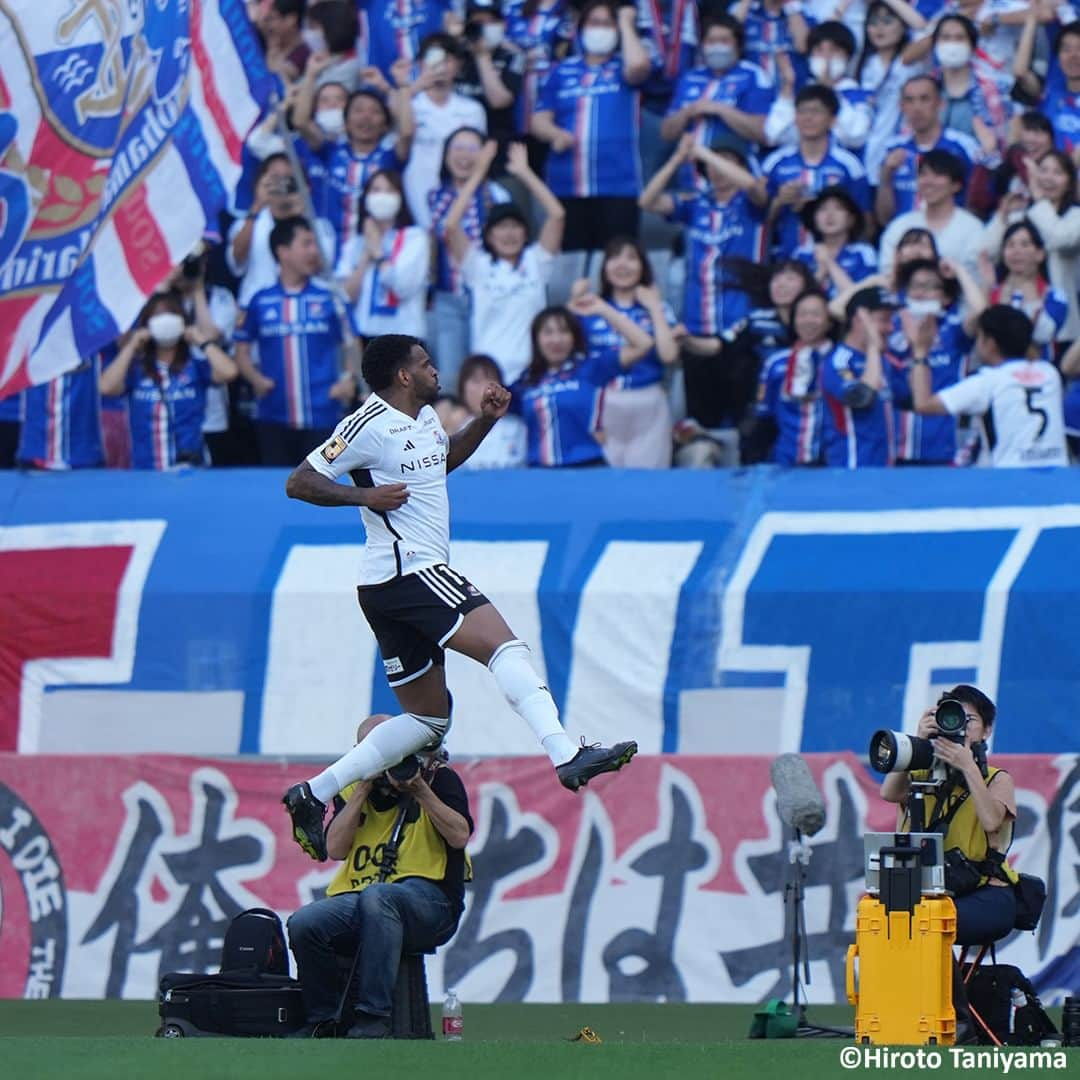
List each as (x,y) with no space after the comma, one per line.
(505,274)
(831,47)
(956,231)
(491,72)
(724,96)
(836,254)
(438,110)
(774,28)
(1057,94)
(795,174)
(397,29)
(588,114)
(858,400)
(367,144)
(923,132)
(384,268)
(724,220)
(448,334)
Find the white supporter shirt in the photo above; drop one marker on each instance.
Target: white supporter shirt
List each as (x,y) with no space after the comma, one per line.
(260,271)
(393,296)
(505,299)
(434,123)
(959,240)
(378,445)
(1021,405)
(504,446)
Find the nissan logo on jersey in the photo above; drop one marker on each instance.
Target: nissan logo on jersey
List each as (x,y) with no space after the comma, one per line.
(428,461)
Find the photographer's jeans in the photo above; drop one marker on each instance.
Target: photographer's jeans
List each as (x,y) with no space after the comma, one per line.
(987,914)
(386,920)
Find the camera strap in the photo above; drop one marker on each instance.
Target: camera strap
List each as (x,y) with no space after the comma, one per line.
(940,822)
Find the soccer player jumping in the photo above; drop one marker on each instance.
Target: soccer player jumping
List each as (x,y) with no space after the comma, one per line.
(414,602)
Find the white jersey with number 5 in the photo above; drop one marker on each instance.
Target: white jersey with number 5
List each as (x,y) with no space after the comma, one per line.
(378,445)
(1020,402)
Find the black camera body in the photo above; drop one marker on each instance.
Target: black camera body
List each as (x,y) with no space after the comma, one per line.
(893,751)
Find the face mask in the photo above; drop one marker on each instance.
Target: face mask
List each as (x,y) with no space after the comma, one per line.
(720,57)
(833,67)
(166,328)
(383,205)
(314,39)
(924,307)
(599,40)
(493,34)
(434,56)
(952,54)
(332,121)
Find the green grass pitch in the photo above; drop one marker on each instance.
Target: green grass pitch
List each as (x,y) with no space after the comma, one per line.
(113,1040)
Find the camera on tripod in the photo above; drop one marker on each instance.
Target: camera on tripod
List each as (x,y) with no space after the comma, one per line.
(893,751)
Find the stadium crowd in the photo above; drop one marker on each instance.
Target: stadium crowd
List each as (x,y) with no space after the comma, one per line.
(682,231)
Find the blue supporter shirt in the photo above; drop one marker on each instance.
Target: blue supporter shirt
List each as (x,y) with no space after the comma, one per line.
(854,439)
(716,232)
(602,111)
(600,336)
(789,392)
(744,86)
(166,411)
(346,174)
(905,179)
(562,410)
(767,36)
(447,274)
(537,36)
(62,421)
(838,167)
(927,438)
(298,334)
(1062,108)
(393,29)
(858,261)
(1047,314)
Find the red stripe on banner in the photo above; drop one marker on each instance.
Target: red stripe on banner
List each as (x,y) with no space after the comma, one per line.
(143,243)
(234,144)
(12,311)
(54,603)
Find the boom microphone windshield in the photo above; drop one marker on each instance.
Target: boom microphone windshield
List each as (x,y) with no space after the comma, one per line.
(798,801)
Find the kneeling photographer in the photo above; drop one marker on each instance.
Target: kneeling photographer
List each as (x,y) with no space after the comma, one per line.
(414,909)
(972,804)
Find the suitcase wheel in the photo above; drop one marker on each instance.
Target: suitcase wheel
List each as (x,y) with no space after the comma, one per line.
(169,1031)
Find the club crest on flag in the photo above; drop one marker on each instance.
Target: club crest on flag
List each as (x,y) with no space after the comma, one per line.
(121,129)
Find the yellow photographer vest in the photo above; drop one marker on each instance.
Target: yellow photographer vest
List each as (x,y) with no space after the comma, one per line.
(965,830)
(422,852)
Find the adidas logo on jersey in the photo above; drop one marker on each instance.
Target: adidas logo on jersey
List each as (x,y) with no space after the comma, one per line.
(409,445)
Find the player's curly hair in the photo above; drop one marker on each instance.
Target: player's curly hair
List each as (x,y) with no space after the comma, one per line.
(385,356)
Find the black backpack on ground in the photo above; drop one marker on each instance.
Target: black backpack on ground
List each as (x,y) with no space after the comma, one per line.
(255,941)
(990,998)
(252,996)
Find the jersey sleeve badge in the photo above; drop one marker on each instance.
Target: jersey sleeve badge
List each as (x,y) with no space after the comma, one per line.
(334,448)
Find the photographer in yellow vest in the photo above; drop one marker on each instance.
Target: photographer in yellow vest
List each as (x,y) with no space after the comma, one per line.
(416,908)
(976,810)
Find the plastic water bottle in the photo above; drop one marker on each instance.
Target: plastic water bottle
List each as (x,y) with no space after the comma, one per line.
(452,1026)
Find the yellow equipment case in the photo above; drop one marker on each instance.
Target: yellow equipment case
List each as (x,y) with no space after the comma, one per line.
(902,991)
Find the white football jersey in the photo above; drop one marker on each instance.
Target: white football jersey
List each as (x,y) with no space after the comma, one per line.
(378,445)
(1020,402)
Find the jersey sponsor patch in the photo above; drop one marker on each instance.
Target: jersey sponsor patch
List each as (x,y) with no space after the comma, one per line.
(334,447)
(393,666)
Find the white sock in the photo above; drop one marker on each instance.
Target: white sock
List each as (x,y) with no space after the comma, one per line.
(385,745)
(530,698)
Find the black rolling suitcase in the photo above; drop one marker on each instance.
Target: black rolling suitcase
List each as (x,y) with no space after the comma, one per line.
(237,1004)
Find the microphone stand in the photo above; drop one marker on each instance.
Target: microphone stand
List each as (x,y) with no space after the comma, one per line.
(799,852)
